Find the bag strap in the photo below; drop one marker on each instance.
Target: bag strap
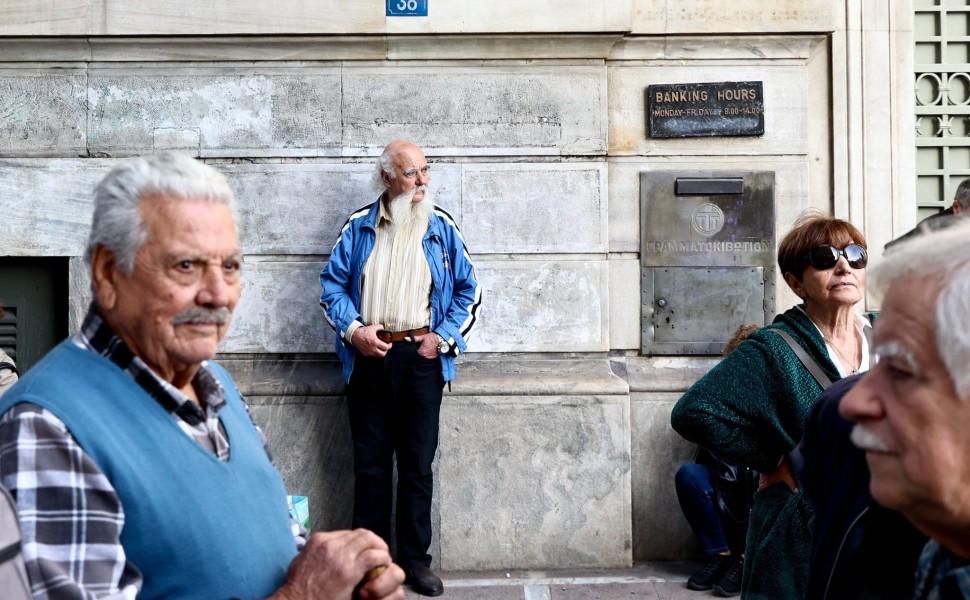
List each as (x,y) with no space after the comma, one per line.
(805,359)
(10,366)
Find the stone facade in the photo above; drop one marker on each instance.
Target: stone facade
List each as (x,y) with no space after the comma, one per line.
(556,449)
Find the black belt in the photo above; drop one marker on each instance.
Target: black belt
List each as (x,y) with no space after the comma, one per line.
(390,337)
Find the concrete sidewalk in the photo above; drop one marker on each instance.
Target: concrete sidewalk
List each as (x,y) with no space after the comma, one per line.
(660,580)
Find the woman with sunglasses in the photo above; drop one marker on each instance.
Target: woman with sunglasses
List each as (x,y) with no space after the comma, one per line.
(751,407)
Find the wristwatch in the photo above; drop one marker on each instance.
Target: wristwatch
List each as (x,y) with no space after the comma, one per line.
(443,346)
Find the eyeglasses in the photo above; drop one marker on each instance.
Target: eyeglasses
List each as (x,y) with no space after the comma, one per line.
(412,173)
(826,256)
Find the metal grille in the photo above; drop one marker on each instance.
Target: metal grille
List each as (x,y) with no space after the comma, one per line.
(942,58)
(8,332)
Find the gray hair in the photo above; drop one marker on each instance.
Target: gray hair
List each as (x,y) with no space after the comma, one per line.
(117,223)
(384,165)
(962,197)
(941,257)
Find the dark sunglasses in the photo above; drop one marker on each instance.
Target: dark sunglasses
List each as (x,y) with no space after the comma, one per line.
(826,256)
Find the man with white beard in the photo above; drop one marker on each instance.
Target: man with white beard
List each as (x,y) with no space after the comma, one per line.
(400,292)
(912,409)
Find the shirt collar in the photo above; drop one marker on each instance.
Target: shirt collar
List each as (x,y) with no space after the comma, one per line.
(383,214)
(98,337)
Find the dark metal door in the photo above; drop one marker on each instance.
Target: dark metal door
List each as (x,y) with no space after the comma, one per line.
(35,300)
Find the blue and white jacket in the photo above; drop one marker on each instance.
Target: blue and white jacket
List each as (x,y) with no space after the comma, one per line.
(456,295)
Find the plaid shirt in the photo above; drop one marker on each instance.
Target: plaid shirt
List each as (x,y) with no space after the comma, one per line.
(941,575)
(69,512)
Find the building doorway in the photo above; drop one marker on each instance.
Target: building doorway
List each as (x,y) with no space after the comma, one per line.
(34,293)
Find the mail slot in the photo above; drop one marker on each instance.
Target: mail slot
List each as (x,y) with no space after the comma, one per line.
(707,258)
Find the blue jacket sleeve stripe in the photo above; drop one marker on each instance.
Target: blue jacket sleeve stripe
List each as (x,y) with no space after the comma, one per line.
(465,282)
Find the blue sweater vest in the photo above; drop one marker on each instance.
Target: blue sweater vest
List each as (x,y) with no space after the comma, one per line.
(195,526)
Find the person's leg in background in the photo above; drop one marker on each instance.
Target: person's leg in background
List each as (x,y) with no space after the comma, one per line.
(695,491)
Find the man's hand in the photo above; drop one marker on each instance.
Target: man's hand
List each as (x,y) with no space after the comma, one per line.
(782,472)
(366,342)
(333,564)
(427,345)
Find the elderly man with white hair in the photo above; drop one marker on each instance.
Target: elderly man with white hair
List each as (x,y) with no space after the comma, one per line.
(400,293)
(135,465)
(912,409)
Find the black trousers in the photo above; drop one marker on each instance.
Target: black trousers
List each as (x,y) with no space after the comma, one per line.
(394,404)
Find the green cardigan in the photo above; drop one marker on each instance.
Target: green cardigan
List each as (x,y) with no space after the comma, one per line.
(751,409)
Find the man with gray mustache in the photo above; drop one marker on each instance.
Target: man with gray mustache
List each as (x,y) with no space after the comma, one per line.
(135,465)
(912,410)
(400,292)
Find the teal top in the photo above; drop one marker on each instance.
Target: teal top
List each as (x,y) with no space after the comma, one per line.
(195,526)
(751,409)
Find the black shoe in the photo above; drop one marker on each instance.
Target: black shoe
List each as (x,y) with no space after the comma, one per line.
(729,584)
(709,573)
(423,581)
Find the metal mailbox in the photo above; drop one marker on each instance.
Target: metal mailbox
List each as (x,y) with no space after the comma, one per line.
(707,258)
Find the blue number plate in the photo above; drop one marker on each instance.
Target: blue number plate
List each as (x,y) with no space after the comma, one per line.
(407,8)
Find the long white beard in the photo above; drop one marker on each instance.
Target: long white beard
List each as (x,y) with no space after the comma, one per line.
(403,210)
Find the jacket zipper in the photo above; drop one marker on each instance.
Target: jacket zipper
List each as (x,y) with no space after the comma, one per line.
(835,564)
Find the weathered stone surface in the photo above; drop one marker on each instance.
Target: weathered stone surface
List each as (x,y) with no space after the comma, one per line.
(309,438)
(535,376)
(42,112)
(501,46)
(624,304)
(279,310)
(79,293)
(183,17)
(543,306)
(660,530)
(215,111)
(53,17)
(551,484)
(535,306)
(501,16)
(555,208)
(700,16)
(47,205)
(300,208)
(286,374)
(486,110)
(720,47)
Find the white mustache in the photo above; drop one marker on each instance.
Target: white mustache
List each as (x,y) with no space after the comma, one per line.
(867,440)
(198,314)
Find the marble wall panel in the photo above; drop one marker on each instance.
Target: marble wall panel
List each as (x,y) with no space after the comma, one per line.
(279,309)
(309,437)
(47,205)
(300,208)
(543,306)
(787,111)
(529,306)
(42,112)
(660,530)
(477,111)
(50,17)
(184,17)
(518,16)
(625,310)
(530,208)
(215,111)
(703,16)
(551,482)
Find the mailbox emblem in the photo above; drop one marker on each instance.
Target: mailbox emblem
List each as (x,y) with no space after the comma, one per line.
(707,219)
